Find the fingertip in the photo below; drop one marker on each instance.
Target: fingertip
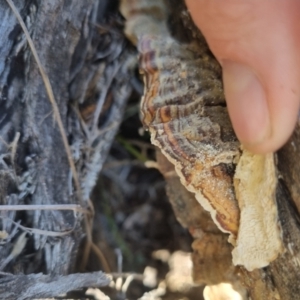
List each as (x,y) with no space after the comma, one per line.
(281,132)
(281,124)
(271,144)
(263,113)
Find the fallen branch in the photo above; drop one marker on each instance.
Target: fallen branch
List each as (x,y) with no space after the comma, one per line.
(21,287)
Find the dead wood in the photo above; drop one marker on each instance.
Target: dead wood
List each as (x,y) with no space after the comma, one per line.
(83,51)
(22,287)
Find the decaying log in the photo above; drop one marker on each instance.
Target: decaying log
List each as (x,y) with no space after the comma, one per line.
(184,109)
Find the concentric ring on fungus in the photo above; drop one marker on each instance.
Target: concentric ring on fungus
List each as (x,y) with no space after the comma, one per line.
(178,108)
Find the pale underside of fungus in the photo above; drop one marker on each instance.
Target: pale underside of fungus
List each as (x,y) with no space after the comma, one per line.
(255,186)
(184,109)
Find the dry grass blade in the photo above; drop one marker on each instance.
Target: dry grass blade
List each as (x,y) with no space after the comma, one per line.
(102,258)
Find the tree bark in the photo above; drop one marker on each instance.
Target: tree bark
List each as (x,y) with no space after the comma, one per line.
(83,51)
(280,279)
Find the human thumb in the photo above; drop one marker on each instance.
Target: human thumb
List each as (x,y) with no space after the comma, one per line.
(258,45)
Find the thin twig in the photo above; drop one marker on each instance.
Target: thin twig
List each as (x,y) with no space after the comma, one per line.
(5,274)
(74,207)
(89,244)
(136,276)
(14,146)
(16,250)
(122,163)
(40,231)
(102,98)
(126,284)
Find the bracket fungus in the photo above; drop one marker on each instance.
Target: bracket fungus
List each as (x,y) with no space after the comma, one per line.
(184,109)
(181,105)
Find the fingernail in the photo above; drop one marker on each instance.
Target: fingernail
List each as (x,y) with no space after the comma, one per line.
(247,103)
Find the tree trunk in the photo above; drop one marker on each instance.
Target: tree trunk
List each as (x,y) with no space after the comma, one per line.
(83,51)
